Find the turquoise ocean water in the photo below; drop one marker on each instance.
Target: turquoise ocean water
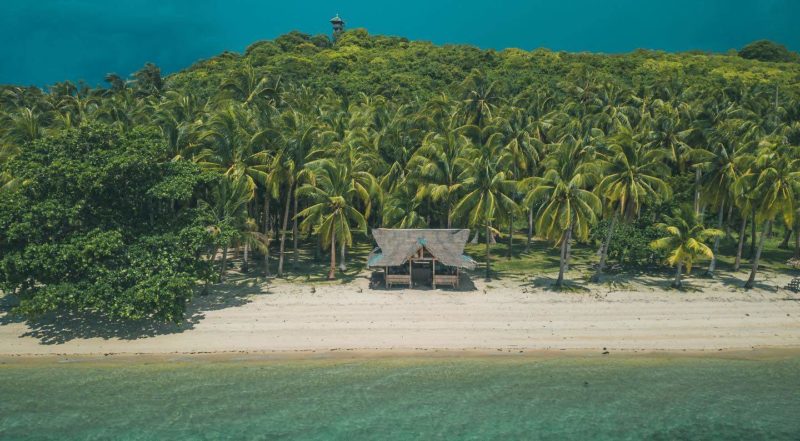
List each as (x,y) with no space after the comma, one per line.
(46,41)
(504,398)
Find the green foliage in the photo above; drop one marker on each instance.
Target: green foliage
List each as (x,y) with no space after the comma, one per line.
(630,243)
(381,130)
(90,228)
(684,240)
(765,50)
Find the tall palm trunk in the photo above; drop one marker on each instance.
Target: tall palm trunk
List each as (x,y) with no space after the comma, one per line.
(562,267)
(752,234)
(294,236)
(797,239)
(786,237)
(737,264)
(343,256)
(677,283)
(510,237)
(224,263)
(530,229)
(332,270)
(449,214)
(712,266)
(283,230)
(728,221)
(569,250)
(488,254)
(604,249)
(475,237)
(244,258)
(752,280)
(267,233)
(697,176)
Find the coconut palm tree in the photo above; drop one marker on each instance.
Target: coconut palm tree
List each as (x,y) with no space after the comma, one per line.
(247,86)
(633,176)
(434,168)
(331,215)
(487,186)
(721,174)
(300,134)
(685,241)
(401,209)
(776,184)
(227,207)
(234,145)
(566,207)
(25,125)
(479,98)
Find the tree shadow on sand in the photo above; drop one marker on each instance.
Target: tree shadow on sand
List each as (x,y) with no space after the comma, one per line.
(549,284)
(63,326)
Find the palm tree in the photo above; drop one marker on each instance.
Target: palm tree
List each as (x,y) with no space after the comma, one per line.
(434,167)
(722,172)
(234,146)
(25,125)
(249,87)
(331,192)
(227,207)
(776,184)
(633,176)
(299,137)
(346,142)
(486,183)
(685,241)
(566,206)
(148,80)
(671,133)
(401,209)
(479,99)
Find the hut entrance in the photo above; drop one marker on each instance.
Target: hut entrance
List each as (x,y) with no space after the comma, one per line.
(421,273)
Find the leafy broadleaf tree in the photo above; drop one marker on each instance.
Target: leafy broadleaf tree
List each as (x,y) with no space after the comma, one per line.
(91,228)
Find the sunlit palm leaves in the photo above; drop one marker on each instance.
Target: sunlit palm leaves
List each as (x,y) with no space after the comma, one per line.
(685,241)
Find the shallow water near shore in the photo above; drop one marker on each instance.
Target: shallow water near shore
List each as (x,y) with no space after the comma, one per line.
(616,397)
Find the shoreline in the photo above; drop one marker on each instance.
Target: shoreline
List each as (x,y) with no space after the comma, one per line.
(355,355)
(286,320)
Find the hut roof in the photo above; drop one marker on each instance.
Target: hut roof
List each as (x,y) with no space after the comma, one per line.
(397,245)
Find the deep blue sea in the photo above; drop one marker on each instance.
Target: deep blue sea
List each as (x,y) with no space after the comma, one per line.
(45,41)
(502,398)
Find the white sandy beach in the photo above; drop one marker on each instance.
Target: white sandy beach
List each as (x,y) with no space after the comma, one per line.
(501,316)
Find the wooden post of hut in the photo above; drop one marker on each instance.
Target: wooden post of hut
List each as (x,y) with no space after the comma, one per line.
(433,273)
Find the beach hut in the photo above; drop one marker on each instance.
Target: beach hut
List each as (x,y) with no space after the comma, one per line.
(432,257)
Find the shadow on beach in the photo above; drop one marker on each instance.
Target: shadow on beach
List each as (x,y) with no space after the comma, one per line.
(63,326)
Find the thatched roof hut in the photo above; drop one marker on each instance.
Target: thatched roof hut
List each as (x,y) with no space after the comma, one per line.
(404,254)
(397,246)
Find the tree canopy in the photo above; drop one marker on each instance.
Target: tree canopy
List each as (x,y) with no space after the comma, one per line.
(91,226)
(120,199)
(765,50)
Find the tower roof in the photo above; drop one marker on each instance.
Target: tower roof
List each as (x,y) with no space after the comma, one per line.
(337,19)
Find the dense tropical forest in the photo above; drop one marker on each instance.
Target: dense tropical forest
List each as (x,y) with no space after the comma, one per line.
(129,198)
